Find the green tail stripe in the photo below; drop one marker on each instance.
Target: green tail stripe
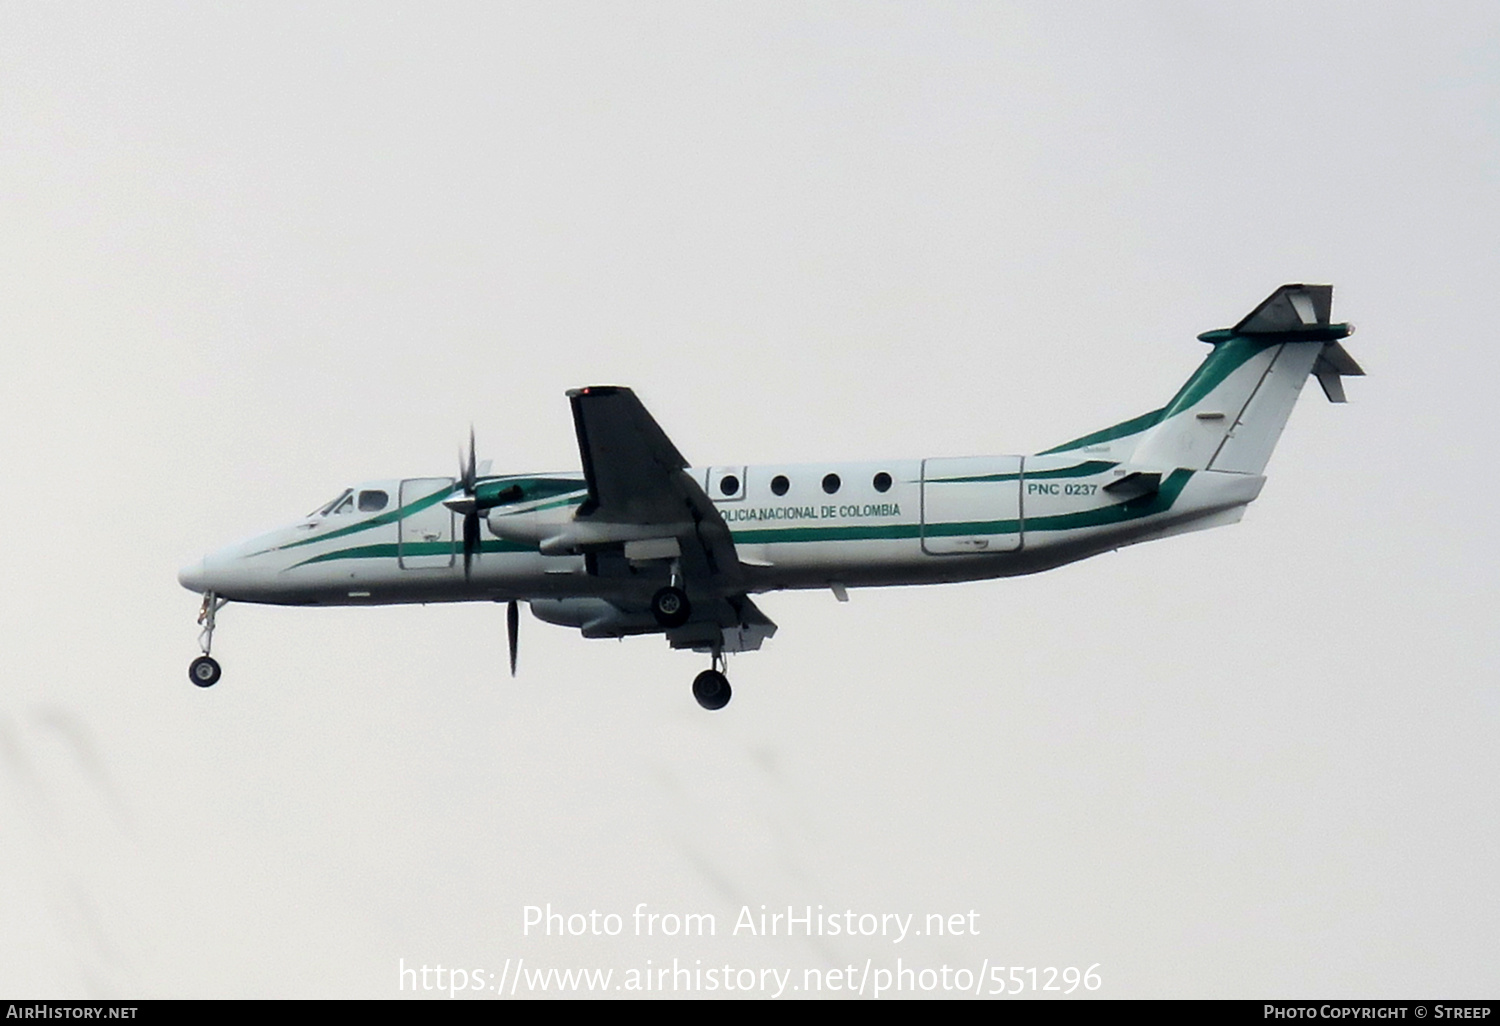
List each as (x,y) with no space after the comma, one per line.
(1124,429)
(1227,357)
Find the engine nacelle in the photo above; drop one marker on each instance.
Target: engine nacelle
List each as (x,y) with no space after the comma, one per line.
(556,532)
(595,617)
(529,527)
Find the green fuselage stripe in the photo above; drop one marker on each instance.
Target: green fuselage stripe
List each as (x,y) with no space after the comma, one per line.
(546,486)
(399,513)
(1086,469)
(1157,502)
(412,549)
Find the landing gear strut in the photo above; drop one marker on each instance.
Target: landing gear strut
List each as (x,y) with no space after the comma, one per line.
(711,687)
(204,671)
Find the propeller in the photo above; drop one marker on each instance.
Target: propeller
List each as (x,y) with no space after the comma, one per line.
(469,505)
(513,631)
(468,475)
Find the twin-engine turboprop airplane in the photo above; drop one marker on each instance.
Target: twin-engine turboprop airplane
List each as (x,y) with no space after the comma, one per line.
(641,543)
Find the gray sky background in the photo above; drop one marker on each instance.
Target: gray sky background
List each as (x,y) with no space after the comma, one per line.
(252,254)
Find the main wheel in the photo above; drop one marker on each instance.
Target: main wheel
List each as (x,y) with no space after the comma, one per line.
(204,671)
(671,607)
(711,689)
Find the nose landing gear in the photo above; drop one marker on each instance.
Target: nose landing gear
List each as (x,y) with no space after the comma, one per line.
(204,671)
(711,687)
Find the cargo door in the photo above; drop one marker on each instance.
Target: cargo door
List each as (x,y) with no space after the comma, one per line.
(426,534)
(971,505)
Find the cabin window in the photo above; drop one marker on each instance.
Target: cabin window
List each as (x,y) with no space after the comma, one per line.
(779,484)
(729,484)
(882,482)
(831,483)
(373,501)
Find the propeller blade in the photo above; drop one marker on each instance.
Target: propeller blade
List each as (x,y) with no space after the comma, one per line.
(471,473)
(468,478)
(471,540)
(513,631)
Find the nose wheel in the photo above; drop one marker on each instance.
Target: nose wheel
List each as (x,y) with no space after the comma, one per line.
(711,687)
(205,671)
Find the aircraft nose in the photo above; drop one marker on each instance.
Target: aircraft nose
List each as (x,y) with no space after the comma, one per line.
(193,577)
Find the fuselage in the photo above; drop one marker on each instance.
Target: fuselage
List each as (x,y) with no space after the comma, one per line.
(641,543)
(819,525)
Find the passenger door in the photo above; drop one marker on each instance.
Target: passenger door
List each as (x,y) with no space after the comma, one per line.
(426,533)
(971,505)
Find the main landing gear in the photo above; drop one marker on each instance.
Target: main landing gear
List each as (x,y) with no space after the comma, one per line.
(711,687)
(670,606)
(204,671)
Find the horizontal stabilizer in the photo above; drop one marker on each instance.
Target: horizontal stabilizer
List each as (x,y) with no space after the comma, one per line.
(1334,364)
(1134,485)
(1293,313)
(1289,308)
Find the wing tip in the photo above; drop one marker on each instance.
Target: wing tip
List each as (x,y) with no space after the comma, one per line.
(574,393)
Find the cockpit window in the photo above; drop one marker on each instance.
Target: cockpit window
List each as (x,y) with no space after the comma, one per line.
(373,501)
(327,508)
(346,506)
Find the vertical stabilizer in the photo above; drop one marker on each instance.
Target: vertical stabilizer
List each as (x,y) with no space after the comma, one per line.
(1229,415)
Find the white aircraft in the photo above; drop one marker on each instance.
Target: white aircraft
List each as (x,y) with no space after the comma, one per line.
(641,543)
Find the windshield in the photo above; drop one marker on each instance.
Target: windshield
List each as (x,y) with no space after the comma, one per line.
(328,507)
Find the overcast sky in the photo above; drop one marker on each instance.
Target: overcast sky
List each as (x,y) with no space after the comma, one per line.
(254,253)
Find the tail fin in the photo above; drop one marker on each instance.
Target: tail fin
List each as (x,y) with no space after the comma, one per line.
(1230,413)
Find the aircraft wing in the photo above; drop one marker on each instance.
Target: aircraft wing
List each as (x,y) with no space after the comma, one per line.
(732,624)
(641,495)
(634,471)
